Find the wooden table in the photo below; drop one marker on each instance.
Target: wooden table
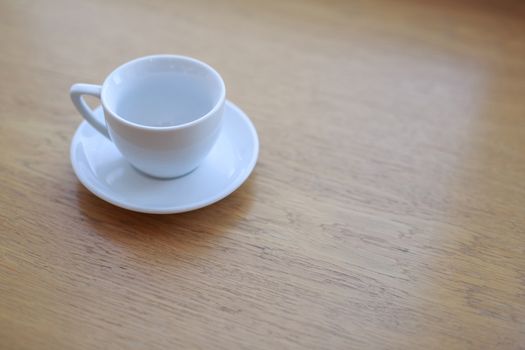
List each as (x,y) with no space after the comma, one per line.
(387,209)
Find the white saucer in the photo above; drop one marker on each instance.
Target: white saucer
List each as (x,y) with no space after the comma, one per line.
(101,169)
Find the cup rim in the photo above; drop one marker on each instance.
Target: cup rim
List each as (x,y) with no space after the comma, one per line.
(211,112)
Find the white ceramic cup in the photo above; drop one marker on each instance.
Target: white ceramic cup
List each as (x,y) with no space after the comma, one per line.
(162,112)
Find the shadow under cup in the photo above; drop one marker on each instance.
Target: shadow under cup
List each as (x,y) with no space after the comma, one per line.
(163,112)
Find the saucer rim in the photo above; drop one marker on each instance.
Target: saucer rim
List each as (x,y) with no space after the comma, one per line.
(179,208)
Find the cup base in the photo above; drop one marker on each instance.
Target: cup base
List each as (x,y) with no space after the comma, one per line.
(167,178)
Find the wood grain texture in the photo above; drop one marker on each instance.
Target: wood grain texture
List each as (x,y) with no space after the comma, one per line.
(387,209)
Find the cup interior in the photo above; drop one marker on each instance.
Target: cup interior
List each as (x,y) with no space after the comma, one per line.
(163,91)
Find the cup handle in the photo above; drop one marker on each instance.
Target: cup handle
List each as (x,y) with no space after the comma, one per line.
(77,93)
